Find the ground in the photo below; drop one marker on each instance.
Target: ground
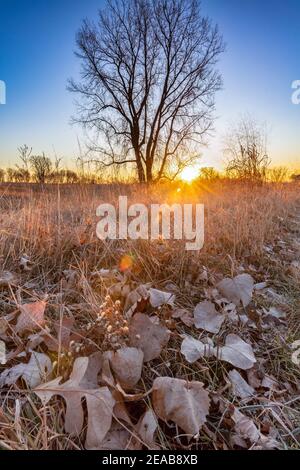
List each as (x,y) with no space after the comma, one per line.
(140,326)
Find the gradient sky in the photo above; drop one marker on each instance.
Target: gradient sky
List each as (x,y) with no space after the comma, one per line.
(37,43)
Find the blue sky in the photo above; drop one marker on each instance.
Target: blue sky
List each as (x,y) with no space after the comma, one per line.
(37,43)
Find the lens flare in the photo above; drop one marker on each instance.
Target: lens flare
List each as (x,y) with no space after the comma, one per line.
(126,263)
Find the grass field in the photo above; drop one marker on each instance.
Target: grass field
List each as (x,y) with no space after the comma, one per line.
(89,294)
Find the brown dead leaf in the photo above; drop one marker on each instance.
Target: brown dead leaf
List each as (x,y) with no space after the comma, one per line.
(33,373)
(237,290)
(207,318)
(126,364)
(185,316)
(83,383)
(237,352)
(119,438)
(31,317)
(7,278)
(193,349)
(146,428)
(185,403)
(159,298)
(239,385)
(136,301)
(147,336)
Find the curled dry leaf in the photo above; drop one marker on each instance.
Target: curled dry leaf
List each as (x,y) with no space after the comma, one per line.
(240,387)
(35,372)
(237,352)
(83,383)
(7,278)
(149,337)
(2,353)
(146,428)
(207,318)
(25,263)
(31,317)
(126,364)
(245,427)
(185,316)
(136,300)
(185,403)
(159,298)
(193,349)
(63,331)
(237,290)
(119,438)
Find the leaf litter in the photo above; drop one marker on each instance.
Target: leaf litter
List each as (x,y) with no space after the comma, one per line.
(102,371)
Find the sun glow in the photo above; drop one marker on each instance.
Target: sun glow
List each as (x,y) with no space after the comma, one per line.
(189,173)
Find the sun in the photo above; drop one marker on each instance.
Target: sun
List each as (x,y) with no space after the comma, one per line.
(189,174)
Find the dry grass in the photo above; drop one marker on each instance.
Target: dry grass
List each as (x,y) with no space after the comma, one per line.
(247,228)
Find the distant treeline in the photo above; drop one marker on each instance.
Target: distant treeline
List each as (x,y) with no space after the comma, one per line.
(41,169)
(63,176)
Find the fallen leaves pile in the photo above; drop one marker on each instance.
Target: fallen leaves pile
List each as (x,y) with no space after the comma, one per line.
(139,365)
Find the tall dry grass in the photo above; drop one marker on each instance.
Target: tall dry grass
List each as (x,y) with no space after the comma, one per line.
(55,227)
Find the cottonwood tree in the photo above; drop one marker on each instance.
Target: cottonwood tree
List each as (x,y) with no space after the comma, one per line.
(246,151)
(41,167)
(148,83)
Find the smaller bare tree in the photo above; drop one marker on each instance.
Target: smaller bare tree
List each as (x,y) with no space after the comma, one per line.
(2,175)
(278,174)
(23,170)
(41,167)
(246,151)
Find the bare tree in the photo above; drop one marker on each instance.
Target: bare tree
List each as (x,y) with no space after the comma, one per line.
(278,174)
(2,175)
(22,173)
(246,151)
(209,173)
(148,83)
(41,167)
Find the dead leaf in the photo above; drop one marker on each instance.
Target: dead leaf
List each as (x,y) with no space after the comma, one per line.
(185,403)
(207,318)
(237,352)
(83,383)
(147,336)
(2,353)
(185,316)
(119,438)
(245,427)
(193,349)
(126,364)
(31,317)
(25,263)
(159,298)
(35,372)
(136,301)
(240,387)
(146,428)
(63,330)
(7,278)
(237,290)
